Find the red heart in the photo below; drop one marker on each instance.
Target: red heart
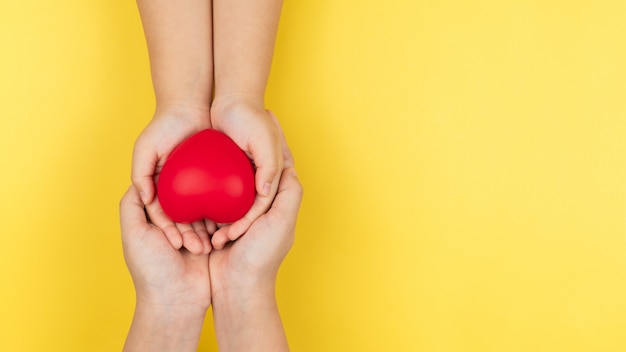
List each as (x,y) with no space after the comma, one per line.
(206,176)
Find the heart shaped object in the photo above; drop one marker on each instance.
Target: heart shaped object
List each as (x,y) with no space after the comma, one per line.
(206,176)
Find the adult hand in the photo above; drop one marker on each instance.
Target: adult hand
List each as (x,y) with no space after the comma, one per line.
(172,285)
(256,131)
(243,273)
(169,127)
(252,262)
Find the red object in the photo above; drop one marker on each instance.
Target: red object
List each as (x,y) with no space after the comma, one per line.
(206,176)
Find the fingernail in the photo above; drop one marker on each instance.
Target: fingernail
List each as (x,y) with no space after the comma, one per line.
(143,197)
(266,188)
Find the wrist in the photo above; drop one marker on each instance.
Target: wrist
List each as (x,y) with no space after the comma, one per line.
(235,93)
(189,115)
(173,309)
(242,292)
(158,327)
(182,110)
(248,319)
(175,300)
(228,101)
(190,100)
(234,308)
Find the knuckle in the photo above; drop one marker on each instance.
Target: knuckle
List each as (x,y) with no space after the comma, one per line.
(188,232)
(165,227)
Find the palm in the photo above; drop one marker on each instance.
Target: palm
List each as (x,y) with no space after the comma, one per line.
(238,260)
(171,272)
(226,263)
(258,253)
(166,132)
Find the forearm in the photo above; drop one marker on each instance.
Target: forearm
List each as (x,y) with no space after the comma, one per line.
(245,32)
(248,321)
(179,38)
(164,329)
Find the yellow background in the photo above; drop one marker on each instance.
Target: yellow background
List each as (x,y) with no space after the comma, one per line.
(464,167)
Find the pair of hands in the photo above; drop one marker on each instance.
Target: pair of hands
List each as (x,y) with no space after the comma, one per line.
(176,286)
(241,117)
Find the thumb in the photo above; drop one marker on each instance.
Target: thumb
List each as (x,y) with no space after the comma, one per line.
(288,161)
(269,164)
(142,172)
(132,215)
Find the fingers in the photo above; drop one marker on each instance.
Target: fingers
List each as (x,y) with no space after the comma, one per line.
(142,171)
(268,160)
(280,220)
(289,187)
(132,215)
(266,178)
(204,234)
(288,199)
(195,237)
(235,230)
(283,212)
(210,226)
(191,241)
(159,219)
(220,237)
(288,160)
(261,204)
(269,165)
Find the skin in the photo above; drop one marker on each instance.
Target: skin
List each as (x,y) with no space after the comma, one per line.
(243,274)
(172,286)
(192,43)
(179,39)
(175,287)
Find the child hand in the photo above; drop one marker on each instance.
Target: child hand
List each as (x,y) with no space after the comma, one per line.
(168,128)
(255,130)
